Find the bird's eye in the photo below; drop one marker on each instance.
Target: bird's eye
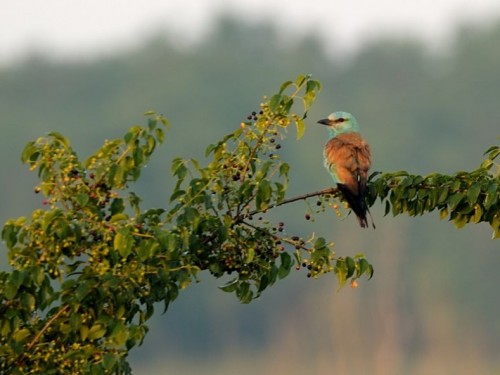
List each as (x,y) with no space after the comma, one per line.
(340,120)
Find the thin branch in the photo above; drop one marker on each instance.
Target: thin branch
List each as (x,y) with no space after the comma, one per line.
(46,327)
(329,191)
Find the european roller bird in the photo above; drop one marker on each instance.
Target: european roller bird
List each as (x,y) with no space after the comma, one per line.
(347,158)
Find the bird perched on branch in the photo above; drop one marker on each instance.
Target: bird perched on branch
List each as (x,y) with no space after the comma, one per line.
(348,158)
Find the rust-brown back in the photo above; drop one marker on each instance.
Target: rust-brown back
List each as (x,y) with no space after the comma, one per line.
(349,157)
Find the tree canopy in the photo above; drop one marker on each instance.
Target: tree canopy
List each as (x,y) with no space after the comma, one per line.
(88,269)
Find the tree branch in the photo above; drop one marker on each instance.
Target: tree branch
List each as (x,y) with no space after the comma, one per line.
(294,199)
(46,326)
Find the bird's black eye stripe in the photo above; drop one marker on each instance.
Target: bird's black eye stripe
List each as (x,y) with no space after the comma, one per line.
(340,120)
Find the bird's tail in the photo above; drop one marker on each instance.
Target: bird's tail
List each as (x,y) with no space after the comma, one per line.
(357,202)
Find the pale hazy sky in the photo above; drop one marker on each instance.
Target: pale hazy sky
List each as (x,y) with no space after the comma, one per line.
(77,28)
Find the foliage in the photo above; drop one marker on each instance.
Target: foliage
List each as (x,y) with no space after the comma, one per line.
(88,269)
(465,197)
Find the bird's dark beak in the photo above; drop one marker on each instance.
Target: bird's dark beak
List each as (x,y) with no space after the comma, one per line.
(325,122)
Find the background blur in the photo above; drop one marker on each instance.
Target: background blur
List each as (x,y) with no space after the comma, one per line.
(423,81)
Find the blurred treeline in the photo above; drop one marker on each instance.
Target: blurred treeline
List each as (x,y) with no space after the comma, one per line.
(433,304)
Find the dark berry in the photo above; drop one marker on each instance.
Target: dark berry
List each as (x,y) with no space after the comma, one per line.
(278,147)
(272,140)
(281,224)
(254,113)
(295,238)
(307,216)
(249,117)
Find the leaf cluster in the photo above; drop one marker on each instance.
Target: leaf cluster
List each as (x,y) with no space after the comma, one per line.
(464,197)
(89,268)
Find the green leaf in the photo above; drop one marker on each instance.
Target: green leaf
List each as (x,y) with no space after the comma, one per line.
(10,290)
(311,85)
(9,234)
(264,191)
(160,135)
(454,200)
(478,213)
(119,333)
(285,266)
(109,361)
(176,194)
(443,195)
(473,193)
(491,196)
(275,102)
(151,123)
(363,266)
(287,104)
(284,86)
(309,98)
(263,283)
(284,168)
(30,153)
(230,286)
(387,208)
(117,206)
(350,266)
(301,79)
(123,243)
(460,221)
(21,335)
(320,243)
(82,199)
(340,271)
(496,234)
(178,168)
(249,255)
(28,301)
(244,293)
(301,127)
(75,321)
(60,138)
(84,332)
(96,331)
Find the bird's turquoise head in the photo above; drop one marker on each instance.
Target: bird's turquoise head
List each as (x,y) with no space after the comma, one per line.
(340,122)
